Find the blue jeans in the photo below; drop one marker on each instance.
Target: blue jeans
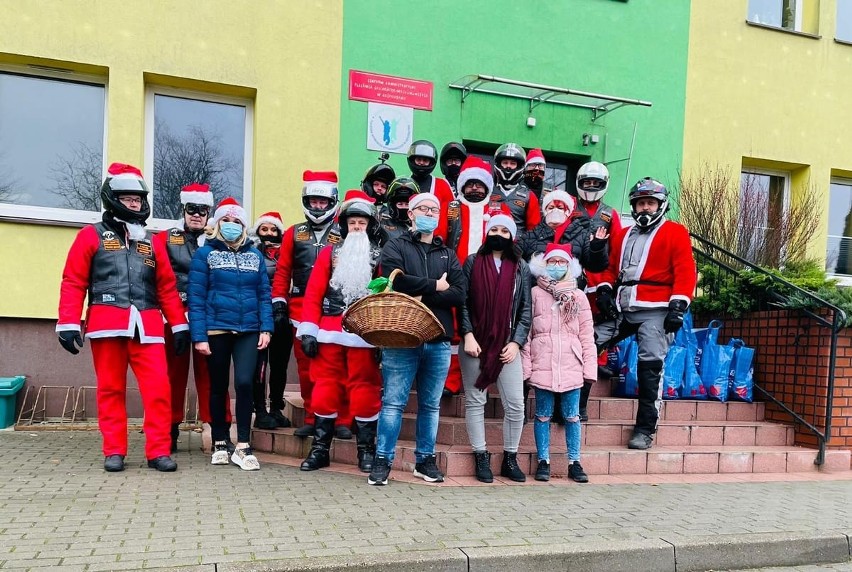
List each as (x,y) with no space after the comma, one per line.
(570,411)
(428,365)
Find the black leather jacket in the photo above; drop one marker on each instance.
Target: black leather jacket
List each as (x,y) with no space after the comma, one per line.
(519,327)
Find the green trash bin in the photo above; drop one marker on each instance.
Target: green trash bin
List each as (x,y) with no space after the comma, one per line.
(9,388)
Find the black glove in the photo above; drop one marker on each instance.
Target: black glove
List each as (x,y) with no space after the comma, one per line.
(606,303)
(310,346)
(674,319)
(182,342)
(280,314)
(597,244)
(68,338)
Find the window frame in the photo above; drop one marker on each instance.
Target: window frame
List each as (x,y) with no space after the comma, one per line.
(843,279)
(797,25)
(787,177)
(56,215)
(152,90)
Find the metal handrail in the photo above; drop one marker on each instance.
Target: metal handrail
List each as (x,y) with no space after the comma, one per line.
(835,324)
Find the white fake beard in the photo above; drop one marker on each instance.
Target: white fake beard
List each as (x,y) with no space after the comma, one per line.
(555,216)
(353,271)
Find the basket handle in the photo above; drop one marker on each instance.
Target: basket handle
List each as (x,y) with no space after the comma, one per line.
(394,273)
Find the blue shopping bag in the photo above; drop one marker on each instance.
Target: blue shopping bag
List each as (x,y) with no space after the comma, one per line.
(628,382)
(673,372)
(716,368)
(741,375)
(706,339)
(692,388)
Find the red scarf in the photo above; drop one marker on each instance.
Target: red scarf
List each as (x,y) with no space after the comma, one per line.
(492,294)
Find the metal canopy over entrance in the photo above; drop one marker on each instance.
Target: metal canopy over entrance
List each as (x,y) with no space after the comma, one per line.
(537,94)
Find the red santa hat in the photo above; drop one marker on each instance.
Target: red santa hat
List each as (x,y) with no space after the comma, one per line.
(561,196)
(273,218)
(197,194)
(421,197)
(359,202)
(502,219)
(126,178)
(229,207)
(535,157)
(319,184)
(475,169)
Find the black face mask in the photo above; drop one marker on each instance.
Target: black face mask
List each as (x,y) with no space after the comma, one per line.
(452,171)
(476,196)
(272,239)
(534,180)
(498,243)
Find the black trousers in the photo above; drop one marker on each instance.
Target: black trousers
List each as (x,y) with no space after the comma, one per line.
(242,348)
(274,360)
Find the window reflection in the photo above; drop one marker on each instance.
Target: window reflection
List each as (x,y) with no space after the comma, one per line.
(839,249)
(196,141)
(51,142)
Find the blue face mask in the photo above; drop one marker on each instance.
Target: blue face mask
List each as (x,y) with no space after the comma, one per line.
(557,272)
(230,231)
(425,224)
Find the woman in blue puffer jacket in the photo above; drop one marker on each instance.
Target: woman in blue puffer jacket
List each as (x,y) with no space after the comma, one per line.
(230,316)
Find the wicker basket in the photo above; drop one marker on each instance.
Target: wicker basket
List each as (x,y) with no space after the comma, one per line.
(392,319)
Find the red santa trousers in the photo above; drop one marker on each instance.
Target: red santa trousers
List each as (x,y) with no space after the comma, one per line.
(307,387)
(178,377)
(148,362)
(342,372)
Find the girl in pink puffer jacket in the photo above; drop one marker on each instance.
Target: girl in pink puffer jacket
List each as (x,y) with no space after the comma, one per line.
(560,355)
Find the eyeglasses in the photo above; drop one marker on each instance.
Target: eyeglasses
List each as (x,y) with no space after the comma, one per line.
(475,185)
(537,168)
(428,210)
(130,200)
(200,210)
(558,262)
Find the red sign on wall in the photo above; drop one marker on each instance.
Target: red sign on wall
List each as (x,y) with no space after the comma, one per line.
(366,86)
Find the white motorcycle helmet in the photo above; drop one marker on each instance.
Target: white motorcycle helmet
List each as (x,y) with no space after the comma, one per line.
(592,181)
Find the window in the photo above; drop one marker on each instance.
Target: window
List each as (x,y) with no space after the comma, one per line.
(51,146)
(193,137)
(844,21)
(838,255)
(792,15)
(763,204)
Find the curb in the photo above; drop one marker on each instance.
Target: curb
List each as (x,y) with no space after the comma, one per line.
(672,554)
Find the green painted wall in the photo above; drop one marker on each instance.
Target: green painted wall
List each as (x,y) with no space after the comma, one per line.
(628,48)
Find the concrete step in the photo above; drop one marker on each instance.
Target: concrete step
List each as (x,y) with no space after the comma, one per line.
(457,460)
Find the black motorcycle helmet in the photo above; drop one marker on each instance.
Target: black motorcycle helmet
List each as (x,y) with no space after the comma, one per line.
(401,189)
(507,176)
(125,180)
(422,148)
(357,207)
(452,150)
(379,172)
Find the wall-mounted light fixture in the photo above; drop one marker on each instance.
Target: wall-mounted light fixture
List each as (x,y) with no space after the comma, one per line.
(530,121)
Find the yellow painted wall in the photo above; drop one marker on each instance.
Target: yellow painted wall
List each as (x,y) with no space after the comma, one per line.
(286,54)
(771,95)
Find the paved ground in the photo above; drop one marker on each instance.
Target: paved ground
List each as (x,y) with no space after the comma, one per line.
(58,508)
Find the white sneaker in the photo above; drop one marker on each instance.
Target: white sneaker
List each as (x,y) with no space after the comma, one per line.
(220,454)
(244,459)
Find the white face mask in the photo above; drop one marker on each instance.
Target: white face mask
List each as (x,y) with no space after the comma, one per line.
(555,216)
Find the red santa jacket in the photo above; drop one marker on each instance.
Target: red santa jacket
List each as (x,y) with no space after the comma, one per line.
(326,329)
(442,190)
(109,321)
(290,264)
(599,217)
(667,264)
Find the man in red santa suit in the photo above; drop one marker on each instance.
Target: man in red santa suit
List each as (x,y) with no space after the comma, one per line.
(592,183)
(267,233)
(300,246)
(422,160)
(181,242)
(344,364)
(466,220)
(648,286)
(128,279)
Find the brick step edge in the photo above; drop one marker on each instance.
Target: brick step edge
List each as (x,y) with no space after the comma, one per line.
(457,460)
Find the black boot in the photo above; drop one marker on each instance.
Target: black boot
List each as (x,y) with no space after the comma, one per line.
(650,374)
(366,440)
(482,464)
(175,435)
(319,455)
(510,468)
(584,401)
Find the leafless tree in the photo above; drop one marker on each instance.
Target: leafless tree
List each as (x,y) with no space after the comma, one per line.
(197,156)
(8,184)
(741,216)
(78,178)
